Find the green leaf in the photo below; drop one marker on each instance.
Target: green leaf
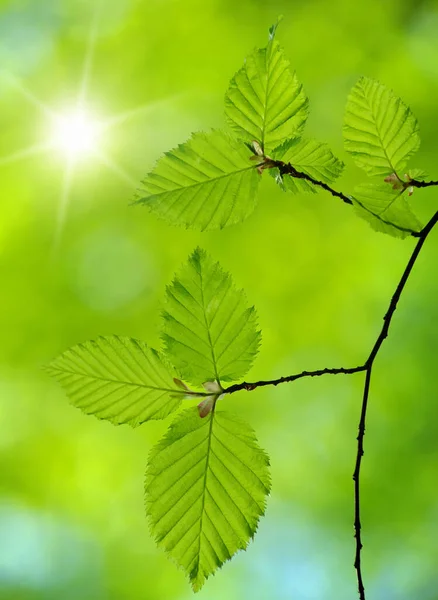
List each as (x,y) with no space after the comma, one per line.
(209,332)
(206,487)
(118,379)
(379,131)
(265,101)
(208,182)
(418,174)
(310,157)
(386,210)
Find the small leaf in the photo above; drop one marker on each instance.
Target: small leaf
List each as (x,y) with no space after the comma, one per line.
(385,209)
(310,157)
(118,379)
(418,174)
(265,101)
(209,332)
(274,27)
(206,487)
(206,183)
(380,131)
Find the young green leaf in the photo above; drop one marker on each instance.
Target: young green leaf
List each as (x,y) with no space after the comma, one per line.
(207,183)
(118,379)
(206,487)
(310,157)
(386,210)
(379,131)
(209,332)
(265,101)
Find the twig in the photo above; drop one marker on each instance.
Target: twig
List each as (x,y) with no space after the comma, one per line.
(252,386)
(367,367)
(421,184)
(289,169)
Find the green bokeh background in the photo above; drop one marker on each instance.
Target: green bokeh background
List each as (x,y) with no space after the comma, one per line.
(72,523)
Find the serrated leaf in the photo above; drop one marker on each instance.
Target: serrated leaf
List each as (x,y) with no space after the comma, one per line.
(209,332)
(380,131)
(265,101)
(208,182)
(385,209)
(310,157)
(206,487)
(118,379)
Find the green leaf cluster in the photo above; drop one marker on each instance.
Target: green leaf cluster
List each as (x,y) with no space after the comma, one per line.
(207,479)
(211,180)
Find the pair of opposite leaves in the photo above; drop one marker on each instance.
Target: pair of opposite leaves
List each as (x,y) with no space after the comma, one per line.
(207,479)
(210,182)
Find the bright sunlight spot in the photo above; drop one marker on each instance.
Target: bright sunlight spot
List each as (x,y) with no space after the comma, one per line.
(76,134)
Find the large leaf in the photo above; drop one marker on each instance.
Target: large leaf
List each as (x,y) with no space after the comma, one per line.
(379,131)
(310,157)
(385,209)
(118,379)
(265,101)
(207,183)
(206,487)
(209,332)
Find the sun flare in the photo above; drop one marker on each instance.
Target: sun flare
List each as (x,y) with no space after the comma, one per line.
(76,134)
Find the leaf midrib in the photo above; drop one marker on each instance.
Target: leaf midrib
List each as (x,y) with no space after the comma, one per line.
(379,133)
(204,489)
(207,327)
(193,185)
(109,380)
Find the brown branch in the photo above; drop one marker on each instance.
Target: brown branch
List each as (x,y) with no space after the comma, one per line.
(422,184)
(367,367)
(252,386)
(289,169)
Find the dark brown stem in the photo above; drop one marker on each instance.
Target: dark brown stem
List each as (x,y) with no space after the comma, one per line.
(288,169)
(422,184)
(356,478)
(252,386)
(367,367)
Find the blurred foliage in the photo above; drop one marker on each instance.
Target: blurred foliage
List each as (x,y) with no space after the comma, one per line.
(71,507)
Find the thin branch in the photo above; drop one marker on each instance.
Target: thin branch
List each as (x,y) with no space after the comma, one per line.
(252,386)
(356,478)
(421,184)
(404,278)
(288,169)
(367,367)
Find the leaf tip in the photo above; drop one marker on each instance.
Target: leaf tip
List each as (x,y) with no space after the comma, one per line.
(273,28)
